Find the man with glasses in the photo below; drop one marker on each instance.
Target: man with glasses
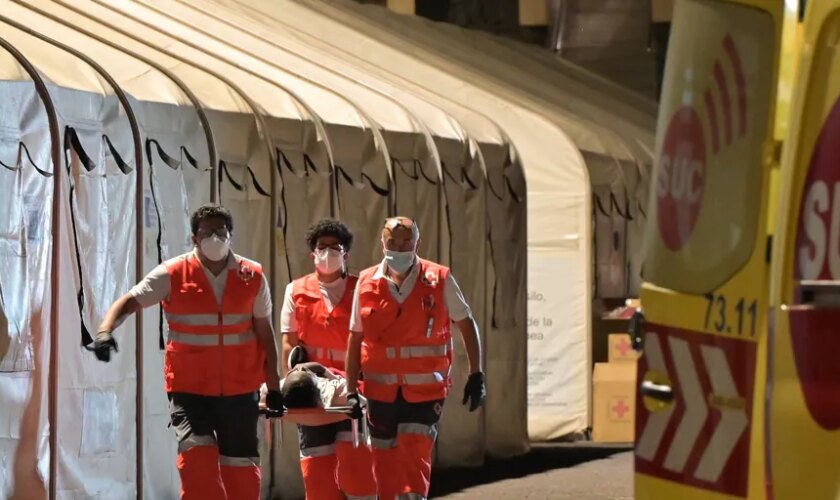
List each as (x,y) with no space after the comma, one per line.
(401,342)
(315,320)
(219,351)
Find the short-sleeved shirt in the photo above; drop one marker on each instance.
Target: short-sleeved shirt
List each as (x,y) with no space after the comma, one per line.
(332,390)
(331,292)
(456,305)
(154,288)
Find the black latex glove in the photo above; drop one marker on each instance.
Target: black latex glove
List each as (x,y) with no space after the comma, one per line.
(274,404)
(475,391)
(355,402)
(102,346)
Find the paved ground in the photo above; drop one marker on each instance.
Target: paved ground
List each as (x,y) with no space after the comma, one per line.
(553,471)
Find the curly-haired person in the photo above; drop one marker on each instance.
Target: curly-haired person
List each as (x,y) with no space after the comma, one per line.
(315,322)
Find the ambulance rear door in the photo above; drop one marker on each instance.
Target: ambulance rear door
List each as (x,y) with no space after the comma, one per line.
(699,425)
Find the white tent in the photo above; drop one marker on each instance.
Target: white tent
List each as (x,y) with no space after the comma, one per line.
(225,122)
(559,368)
(461,164)
(620,183)
(618,179)
(505,435)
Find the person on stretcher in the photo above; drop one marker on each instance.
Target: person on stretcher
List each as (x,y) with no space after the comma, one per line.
(312,385)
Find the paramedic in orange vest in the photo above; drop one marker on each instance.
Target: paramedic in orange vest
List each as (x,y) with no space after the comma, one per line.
(315,319)
(401,342)
(219,351)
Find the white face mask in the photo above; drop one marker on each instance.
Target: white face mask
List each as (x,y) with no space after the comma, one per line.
(328,260)
(215,248)
(399,262)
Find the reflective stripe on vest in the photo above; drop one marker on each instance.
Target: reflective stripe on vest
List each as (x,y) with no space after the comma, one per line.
(417,351)
(320,330)
(406,345)
(323,353)
(206,319)
(210,340)
(212,349)
(407,378)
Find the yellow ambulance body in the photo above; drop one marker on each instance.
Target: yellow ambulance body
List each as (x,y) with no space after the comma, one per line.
(740,378)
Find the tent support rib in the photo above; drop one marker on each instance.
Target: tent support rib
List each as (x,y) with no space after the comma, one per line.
(55,154)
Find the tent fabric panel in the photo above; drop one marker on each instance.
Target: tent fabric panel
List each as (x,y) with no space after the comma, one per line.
(559,336)
(88,119)
(302,74)
(364,193)
(203,45)
(306,198)
(632,115)
(99,227)
(461,439)
(25,252)
(450,55)
(417,196)
(363,209)
(478,127)
(506,434)
(188,63)
(22,220)
(611,258)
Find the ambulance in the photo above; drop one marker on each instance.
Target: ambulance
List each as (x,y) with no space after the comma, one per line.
(739,378)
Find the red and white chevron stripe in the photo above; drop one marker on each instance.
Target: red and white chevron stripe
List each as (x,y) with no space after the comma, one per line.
(703,438)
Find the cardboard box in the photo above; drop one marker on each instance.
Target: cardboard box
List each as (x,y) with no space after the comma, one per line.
(614,397)
(402,6)
(533,13)
(620,348)
(661,11)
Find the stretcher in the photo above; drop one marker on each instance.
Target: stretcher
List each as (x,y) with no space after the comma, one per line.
(323,416)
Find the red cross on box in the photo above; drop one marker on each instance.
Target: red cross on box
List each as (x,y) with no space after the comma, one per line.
(620,408)
(623,347)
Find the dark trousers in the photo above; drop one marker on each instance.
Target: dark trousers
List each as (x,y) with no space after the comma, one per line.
(402,436)
(218,448)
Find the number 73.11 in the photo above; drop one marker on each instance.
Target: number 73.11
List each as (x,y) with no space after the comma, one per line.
(724,318)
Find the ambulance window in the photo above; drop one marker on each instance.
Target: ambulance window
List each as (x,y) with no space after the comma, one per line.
(714,111)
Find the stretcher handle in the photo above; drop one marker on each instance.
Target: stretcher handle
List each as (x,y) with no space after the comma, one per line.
(346,410)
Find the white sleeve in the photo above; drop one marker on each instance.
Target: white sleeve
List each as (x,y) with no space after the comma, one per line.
(154,288)
(288,322)
(455,302)
(355,315)
(262,303)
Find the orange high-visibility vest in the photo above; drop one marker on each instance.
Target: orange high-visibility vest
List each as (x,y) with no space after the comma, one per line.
(409,345)
(212,350)
(322,333)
